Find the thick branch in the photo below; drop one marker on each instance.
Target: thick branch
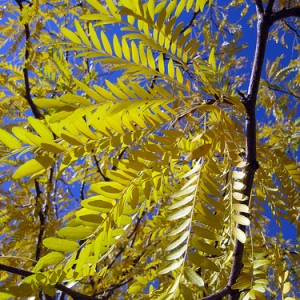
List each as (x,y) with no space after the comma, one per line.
(259,6)
(285,13)
(75,295)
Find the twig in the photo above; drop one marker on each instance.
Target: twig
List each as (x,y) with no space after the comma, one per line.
(37,114)
(292,28)
(99,169)
(271,87)
(75,295)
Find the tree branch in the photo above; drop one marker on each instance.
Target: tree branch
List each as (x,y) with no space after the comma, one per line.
(285,13)
(270,6)
(75,295)
(37,114)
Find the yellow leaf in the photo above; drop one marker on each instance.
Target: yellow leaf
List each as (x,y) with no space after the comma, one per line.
(40,128)
(202,261)
(180,213)
(125,49)
(135,53)
(161,64)
(171,70)
(171,266)
(182,226)
(212,60)
(151,60)
(240,219)
(61,245)
(89,91)
(94,37)
(82,34)
(177,253)
(70,35)
(117,46)
(241,207)
(134,197)
(239,196)
(106,43)
(33,166)
(181,202)
(243,282)
(199,152)
(8,140)
(178,241)
(193,277)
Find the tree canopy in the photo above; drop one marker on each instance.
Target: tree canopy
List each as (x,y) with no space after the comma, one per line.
(147,150)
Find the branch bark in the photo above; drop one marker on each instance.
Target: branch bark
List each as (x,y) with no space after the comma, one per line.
(263,26)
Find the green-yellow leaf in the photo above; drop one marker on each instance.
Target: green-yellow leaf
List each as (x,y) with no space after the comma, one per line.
(75,233)
(8,140)
(52,258)
(61,245)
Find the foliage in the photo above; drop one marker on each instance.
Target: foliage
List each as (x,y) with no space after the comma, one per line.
(140,117)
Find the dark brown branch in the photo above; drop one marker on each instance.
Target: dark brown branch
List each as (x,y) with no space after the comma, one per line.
(75,295)
(270,6)
(99,169)
(190,23)
(285,13)
(42,222)
(37,114)
(274,88)
(217,296)
(263,26)
(292,28)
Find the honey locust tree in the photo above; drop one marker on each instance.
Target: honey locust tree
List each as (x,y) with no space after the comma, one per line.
(133,164)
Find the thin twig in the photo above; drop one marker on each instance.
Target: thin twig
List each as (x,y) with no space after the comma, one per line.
(292,28)
(75,295)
